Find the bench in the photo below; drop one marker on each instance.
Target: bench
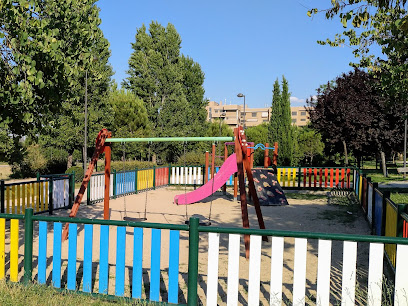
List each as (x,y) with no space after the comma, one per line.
(402,170)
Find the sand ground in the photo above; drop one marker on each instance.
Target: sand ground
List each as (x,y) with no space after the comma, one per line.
(301,215)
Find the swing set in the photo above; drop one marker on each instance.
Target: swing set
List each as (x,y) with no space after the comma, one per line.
(243,155)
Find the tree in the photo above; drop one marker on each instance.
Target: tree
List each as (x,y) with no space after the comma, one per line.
(129,121)
(42,44)
(310,144)
(280,125)
(259,134)
(354,116)
(171,86)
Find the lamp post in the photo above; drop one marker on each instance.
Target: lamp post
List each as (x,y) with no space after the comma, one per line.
(240,95)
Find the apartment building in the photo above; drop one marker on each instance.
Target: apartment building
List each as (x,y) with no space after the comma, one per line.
(234,115)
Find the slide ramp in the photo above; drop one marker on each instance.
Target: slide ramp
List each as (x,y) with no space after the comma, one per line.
(228,168)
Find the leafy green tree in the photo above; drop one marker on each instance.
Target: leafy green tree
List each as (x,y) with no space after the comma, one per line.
(129,121)
(259,134)
(280,125)
(42,44)
(310,144)
(171,86)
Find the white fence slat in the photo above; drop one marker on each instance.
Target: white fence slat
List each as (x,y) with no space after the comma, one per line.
(401,276)
(199,176)
(276,271)
(234,243)
(323,272)
(299,273)
(66,193)
(254,269)
(349,273)
(375,273)
(212,274)
(173,176)
(195,175)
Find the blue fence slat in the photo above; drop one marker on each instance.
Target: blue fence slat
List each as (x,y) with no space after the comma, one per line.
(155,265)
(56,256)
(104,260)
(137,263)
(42,252)
(72,256)
(88,242)
(378,213)
(120,261)
(174,266)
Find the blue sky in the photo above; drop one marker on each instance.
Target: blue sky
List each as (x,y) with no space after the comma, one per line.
(242,46)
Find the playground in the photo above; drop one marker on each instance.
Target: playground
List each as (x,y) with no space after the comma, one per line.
(299,215)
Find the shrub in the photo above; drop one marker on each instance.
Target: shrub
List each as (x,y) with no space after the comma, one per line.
(79,173)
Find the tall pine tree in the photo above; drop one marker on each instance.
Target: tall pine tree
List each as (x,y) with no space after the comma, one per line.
(280,125)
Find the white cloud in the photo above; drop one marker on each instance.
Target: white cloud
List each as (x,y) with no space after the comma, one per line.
(295,100)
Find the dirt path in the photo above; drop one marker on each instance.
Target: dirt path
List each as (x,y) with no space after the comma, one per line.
(301,215)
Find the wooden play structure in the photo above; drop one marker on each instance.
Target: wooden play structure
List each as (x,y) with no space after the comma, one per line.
(243,153)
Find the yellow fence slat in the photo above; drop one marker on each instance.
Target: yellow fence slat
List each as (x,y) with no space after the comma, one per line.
(13,199)
(283,177)
(14,250)
(294,177)
(18,198)
(42,196)
(37,197)
(391,217)
(288,178)
(2,247)
(279,175)
(23,187)
(33,196)
(8,199)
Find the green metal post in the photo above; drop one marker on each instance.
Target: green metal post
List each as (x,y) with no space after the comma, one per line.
(299,175)
(50,197)
(114,183)
(169,174)
(154,177)
(28,245)
(193,238)
(2,200)
(38,176)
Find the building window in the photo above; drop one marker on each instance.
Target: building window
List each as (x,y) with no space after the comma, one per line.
(303,113)
(303,119)
(265,120)
(294,113)
(293,120)
(253,114)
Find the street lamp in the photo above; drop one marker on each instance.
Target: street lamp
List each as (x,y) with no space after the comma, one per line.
(240,95)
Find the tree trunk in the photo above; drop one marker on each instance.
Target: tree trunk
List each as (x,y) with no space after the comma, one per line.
(154,158)
(69,162)
(384,165)
(345,153)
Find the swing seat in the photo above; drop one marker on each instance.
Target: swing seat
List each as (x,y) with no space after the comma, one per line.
(201,223)
(134,219)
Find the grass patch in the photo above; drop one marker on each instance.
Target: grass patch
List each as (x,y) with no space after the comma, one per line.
(399,198)
(378,177)
(348,209)
(18,294)
(305,196)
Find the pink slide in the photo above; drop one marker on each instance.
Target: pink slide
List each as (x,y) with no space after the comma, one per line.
(228,168)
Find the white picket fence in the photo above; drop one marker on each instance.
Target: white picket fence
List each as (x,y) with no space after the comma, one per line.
(60,194)
(186,175)
(97,187)
(374,292)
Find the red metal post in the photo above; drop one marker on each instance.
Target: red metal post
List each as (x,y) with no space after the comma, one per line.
(207,158)
(266,156)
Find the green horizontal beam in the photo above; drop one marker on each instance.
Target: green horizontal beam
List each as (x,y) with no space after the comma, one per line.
(168,139)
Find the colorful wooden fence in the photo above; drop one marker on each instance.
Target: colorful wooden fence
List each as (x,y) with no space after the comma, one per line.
(42,195)
(314,177)
(98,266)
